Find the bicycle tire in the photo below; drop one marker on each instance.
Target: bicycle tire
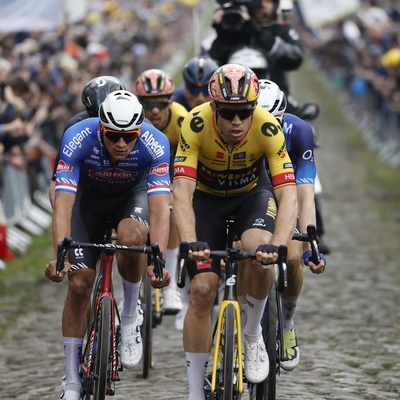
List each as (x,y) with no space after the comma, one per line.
(147,331)
(102,350)
(229,353)
(266,390)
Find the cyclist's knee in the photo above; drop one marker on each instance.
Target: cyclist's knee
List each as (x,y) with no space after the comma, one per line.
(202,293)
(131,232)
(80,285)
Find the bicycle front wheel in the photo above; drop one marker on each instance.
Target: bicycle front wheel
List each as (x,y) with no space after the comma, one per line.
(266,390)
(229,352)
(147,305)
(102,349)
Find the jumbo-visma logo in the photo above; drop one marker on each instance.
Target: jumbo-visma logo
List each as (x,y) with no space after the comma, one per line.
(160,170)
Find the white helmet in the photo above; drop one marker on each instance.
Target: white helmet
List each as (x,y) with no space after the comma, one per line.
(121,111)
(272,98)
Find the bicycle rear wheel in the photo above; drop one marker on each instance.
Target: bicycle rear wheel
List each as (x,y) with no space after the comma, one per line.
(266,390)
(102,350)
(229,351)
(147,332)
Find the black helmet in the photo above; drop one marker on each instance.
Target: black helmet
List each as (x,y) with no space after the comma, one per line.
(198,71)
(96,90)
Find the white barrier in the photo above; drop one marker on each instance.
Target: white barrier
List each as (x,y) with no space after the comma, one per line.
(25,217)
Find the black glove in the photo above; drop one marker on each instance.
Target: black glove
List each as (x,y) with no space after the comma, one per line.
(268,248)
(198,246)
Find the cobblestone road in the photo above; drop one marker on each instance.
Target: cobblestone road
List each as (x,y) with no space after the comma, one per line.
(347,321)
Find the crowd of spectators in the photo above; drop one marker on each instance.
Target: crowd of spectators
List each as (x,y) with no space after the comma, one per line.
(42,75)
(361,56)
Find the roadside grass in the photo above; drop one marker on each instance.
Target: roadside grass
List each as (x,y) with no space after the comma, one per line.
(29,267)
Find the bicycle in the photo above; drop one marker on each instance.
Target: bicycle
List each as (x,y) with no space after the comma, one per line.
(272,325)
(100,360)
(226,379)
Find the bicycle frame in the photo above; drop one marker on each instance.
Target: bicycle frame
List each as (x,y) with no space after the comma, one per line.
(106,290)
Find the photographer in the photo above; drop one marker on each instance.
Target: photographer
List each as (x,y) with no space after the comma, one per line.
(254,24)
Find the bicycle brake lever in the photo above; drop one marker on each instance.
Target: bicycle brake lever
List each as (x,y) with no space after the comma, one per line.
(282,262)
(62,249)
(312,235)
(183,256)
(158,261)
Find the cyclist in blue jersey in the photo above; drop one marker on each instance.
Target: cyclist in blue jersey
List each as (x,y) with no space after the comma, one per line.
(300,145)
(196,75)
(93,94)
(114,165)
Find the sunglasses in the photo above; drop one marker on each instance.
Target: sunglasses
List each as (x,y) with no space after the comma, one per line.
(196,90)
(230,113)
(161,105)
(115,136)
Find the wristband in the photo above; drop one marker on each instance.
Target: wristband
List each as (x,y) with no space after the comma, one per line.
(307,255)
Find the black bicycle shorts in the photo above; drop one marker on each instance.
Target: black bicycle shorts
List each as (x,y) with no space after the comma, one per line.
(255,209)
(89,216)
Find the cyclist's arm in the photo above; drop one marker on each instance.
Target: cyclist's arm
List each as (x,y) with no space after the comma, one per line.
(63,204)
(159,220)
(305,198)
(286,216)
(283,179)
(183,211)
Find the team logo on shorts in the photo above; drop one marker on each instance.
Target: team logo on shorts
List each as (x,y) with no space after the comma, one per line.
(259,222)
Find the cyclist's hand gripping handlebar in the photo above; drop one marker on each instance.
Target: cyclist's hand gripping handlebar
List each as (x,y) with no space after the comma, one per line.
(62,250)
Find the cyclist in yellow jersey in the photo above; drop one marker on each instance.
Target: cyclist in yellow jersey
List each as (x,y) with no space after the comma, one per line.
(220,171)
(154,88)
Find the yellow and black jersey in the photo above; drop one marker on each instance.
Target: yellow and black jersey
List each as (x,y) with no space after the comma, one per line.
(203,156)
(173,128)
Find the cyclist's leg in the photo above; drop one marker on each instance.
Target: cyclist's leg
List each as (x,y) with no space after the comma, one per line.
(255,222)
(131,218)
(289,302)
(84,225)
(171,294)
(197,331)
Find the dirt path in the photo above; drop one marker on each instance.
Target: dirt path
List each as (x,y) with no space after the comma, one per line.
(347,321)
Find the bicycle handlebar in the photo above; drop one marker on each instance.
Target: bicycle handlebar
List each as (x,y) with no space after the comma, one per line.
(153,249)
(312,238)
(228,254)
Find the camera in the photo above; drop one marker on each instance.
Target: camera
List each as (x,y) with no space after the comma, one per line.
(232,20)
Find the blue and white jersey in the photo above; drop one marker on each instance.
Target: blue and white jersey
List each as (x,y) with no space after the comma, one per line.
(84,160)
(300,146)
